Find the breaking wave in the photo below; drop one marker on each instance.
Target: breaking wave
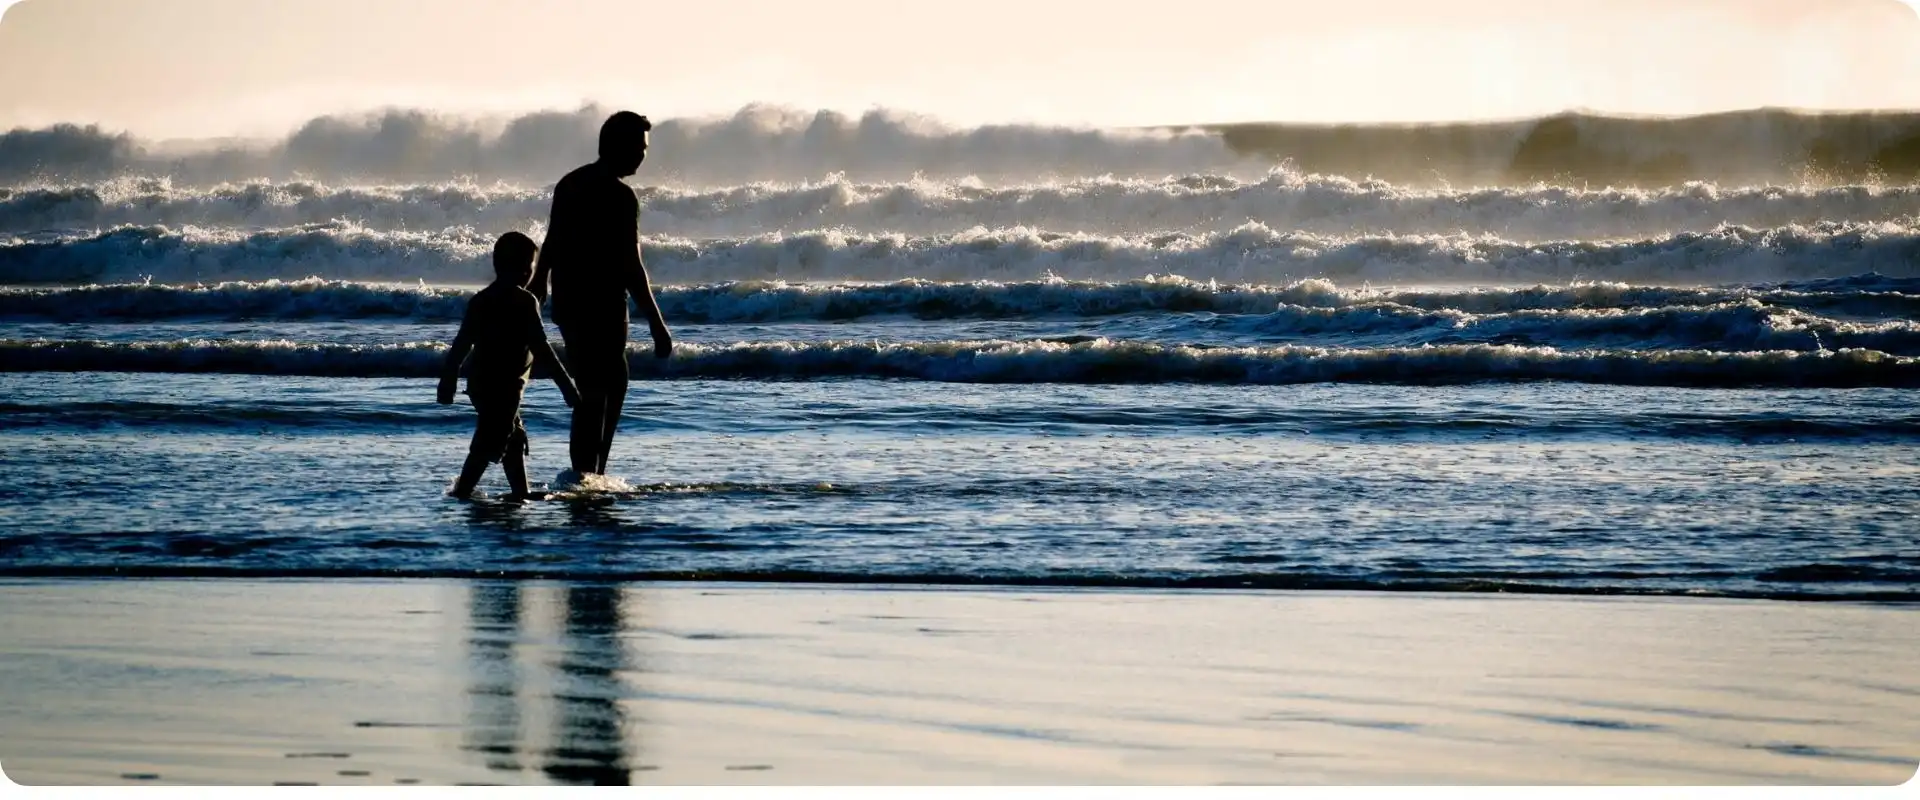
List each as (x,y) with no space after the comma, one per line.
(1868,295)
(1281,199)
(1084,361)
(1250,253)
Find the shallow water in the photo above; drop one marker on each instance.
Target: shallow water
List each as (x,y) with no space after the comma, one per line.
(1541,486)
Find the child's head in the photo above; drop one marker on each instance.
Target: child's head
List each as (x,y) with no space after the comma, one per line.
(513,258)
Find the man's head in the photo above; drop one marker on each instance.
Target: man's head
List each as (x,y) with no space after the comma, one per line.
(623,142)
(513,258)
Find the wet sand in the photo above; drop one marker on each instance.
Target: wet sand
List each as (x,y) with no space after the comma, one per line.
(123,682)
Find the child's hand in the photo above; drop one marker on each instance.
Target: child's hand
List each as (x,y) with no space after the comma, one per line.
(662,344)
(446,392)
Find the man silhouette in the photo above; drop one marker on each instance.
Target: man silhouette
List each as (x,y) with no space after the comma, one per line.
(592,257)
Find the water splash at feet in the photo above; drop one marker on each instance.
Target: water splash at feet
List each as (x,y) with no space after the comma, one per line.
(572,482)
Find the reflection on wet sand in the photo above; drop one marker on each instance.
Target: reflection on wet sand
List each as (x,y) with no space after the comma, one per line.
(493,710)
(588,738)
(590,744)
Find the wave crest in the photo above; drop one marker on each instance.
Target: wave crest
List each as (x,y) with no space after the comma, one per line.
(1090,361)
(1737,317)
(1282,199)
(1250,253)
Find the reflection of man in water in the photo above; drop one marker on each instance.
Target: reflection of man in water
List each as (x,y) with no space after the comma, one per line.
(592,255)
(591,737)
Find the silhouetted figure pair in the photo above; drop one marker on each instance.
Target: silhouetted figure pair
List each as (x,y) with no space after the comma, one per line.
(592,260)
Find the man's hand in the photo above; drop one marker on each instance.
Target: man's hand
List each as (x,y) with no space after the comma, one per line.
(446,391)
(570,394)
(662,343)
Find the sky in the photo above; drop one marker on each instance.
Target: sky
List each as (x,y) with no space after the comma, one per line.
(199,68)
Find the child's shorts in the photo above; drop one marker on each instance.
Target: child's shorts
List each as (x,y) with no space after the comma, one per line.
(499,430)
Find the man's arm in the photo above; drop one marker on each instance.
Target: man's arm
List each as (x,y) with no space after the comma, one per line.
(642,290)
(456,355)
(542,269)
(542,266)
(543,354)
(641,287)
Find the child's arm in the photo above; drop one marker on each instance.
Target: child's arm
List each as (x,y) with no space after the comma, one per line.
(456,355)
(543,354)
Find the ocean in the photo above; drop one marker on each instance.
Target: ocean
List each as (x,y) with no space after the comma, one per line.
(1011,355)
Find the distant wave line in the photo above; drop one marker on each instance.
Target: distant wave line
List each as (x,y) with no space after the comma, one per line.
(1281,199)
(1866,295)
(1246,253)
(1096,360)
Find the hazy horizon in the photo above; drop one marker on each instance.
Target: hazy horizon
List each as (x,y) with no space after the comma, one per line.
(1305,61)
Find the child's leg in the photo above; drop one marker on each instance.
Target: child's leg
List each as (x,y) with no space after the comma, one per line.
(515,460)
(470,473)
(491,432)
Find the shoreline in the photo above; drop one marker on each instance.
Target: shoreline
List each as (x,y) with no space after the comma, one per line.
(437,681)
(800,579)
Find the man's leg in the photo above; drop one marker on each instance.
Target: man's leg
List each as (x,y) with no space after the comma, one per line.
(597,359)
(583,439)
(583,435)
(615,399)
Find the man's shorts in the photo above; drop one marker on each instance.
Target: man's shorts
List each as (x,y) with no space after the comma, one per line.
(597,356)
(499,430)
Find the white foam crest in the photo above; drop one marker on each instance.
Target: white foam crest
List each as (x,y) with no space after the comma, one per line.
(269,204)
(776,300)
(1741,325)
(1250,253)
(1092,361)
(230,356)
(305,298)
(1736,317)
(341,250)
(1283,200)
(769,301)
